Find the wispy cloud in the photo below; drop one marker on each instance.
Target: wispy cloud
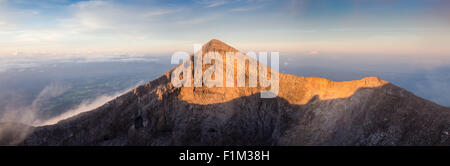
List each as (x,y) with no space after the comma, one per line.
(197,20)
(82,23)
(213,3)
(29,114)
(101,25)
(22,61)
(245,9)
(85,106)
(95,15)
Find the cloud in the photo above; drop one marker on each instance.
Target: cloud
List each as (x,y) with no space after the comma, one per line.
(295,7)
(49,92)
(12,18)
(146,26)
(15,23)
(15,122)
(197,20)
(29,114)
(38,36)
(12,133)
(98,25)
(6,17)
(24,61)
(106,15)
(85,106)
(213,3)
(313,52)
(434,86)
(245,9)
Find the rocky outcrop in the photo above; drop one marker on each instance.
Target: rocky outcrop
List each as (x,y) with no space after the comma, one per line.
(307,111)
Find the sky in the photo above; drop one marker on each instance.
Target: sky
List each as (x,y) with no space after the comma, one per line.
(410,30)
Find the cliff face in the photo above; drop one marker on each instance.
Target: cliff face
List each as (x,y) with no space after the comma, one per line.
(307,111)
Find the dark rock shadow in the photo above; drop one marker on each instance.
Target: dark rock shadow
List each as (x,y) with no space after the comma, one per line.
(385,115)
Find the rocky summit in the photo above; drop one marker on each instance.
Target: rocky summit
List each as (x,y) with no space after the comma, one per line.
(306,111)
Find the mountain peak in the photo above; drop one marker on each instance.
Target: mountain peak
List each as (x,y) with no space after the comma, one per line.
(217,45)
(306,111)
(215,41)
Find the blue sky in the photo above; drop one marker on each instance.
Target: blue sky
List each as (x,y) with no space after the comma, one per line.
(411,28)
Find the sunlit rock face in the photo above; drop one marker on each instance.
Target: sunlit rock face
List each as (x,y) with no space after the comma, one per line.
(306,111)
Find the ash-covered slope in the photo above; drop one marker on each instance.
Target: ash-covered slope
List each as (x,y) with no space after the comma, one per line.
(307,111)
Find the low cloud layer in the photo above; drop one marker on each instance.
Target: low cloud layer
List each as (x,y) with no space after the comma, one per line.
(85,106)
(28,114)
(26,61)
(16,122)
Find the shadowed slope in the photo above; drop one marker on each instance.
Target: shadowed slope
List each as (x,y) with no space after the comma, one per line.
(307,111)
(371,116)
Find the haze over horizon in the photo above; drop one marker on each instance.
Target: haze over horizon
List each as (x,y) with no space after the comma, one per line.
(410,31)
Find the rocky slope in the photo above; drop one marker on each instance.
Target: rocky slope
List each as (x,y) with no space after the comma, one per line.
(307,111)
